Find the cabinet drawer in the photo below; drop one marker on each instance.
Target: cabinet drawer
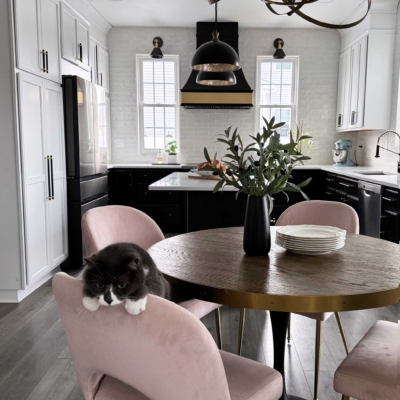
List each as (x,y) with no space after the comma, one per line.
(330,180)
(352,201)
(146,196)
(151,176)
(170,215)
(390,226)
(348,186)
(330,194)
(391,200)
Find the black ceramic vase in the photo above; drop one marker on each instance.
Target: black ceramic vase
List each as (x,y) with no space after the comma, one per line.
(257,233)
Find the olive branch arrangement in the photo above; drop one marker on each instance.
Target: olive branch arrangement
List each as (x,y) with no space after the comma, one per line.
(264,175)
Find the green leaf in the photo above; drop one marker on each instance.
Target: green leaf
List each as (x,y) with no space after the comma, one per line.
(206,155)
(305,183)
(218,186)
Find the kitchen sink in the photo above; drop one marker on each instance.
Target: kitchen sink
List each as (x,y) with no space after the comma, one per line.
(374,173)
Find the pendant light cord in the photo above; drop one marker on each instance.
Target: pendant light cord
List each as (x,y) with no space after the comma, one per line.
(216,17)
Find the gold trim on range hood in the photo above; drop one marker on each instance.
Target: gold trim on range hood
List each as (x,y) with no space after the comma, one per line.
(217,99)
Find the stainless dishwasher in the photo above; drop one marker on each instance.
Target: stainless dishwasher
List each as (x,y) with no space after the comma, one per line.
(369,208)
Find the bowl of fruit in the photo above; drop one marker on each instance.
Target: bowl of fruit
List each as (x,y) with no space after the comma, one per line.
(200,168)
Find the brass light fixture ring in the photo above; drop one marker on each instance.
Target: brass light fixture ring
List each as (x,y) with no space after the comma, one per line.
(158,42)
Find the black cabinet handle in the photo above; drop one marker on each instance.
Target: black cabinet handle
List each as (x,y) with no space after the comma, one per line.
(329,193)
(101,78)
(48,177)
(391,200)
(43,53)
(346,184)
(80,52)
(330,180)
(47,61)
(394,214)
(52,178)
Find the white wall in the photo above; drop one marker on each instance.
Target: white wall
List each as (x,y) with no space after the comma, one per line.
(387,160)
(319,57)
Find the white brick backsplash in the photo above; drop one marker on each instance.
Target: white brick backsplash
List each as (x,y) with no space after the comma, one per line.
(319,57)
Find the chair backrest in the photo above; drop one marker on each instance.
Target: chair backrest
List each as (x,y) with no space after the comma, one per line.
(164,352)
(318,212)
(107,225)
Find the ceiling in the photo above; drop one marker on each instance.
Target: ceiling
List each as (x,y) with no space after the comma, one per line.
(249,13)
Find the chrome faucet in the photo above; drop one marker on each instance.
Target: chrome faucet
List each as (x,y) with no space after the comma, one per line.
(384,148)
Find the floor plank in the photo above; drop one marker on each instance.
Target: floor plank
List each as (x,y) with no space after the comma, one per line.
(58,382)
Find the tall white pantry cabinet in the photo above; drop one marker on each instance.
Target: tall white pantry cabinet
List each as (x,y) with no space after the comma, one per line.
(33,182)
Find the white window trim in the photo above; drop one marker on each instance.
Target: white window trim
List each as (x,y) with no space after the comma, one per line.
(139,79)
(295,99)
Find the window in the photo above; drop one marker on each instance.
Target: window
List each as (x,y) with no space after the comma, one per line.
(158,101)
(276,92)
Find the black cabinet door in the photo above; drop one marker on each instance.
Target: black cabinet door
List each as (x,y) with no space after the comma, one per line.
(390,226)
(122,187)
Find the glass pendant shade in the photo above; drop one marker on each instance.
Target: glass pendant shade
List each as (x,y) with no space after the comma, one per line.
(216,78)
(215,56)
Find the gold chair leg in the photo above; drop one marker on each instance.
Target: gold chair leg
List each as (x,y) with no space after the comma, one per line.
(344,397)
(318,335)
(289,338)
(241,329)
(218,327)
(341,329)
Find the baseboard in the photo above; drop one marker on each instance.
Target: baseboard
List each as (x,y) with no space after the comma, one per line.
(15,296)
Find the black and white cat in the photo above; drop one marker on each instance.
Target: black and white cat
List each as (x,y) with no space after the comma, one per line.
(123,273)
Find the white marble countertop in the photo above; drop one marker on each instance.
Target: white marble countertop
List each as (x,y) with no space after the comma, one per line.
(179,181)
(146,166)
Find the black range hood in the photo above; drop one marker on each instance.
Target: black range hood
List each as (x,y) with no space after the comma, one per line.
(239,96)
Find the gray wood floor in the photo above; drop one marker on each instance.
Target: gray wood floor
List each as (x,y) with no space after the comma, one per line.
(35,363)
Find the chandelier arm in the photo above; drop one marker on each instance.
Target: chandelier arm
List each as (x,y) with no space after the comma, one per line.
(284,3)
(331,26)
(288,13)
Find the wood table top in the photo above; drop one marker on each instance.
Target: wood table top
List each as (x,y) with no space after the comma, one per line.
(213,266)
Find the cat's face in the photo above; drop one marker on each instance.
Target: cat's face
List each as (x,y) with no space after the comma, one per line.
(112,277)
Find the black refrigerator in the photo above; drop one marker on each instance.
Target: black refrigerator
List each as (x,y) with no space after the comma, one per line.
(86,147)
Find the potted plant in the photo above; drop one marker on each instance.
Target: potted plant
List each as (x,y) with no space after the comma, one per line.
(170,148)
(260,170)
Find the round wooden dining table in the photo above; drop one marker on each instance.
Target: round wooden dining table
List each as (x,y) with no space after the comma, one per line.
(212,266)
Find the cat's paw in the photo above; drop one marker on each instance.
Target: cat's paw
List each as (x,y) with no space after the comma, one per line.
(136,307)
(91,303)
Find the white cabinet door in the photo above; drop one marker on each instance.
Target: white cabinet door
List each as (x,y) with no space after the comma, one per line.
(103,68)
(68,34)
(54,144)
(358,76)
(35,177)
(343,91)
(82,35)
(29,57)
(50,33)
(74,38)
(93,59)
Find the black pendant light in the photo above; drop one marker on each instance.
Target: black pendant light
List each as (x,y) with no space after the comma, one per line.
(157,43)
(278,44)
(294,7)
(215,56)
(216,78)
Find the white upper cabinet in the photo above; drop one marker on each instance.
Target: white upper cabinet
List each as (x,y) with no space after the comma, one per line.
(50,33)
(37,37)
(343,90)
(93,59)
(358,75)
(102,68)
(74,38)
(365,83)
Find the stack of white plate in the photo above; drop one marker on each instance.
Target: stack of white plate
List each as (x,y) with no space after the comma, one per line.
(310,239)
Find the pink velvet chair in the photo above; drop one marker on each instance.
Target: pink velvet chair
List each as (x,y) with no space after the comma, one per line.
(164,353)
(369,372)
(317,212)
(107,225)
